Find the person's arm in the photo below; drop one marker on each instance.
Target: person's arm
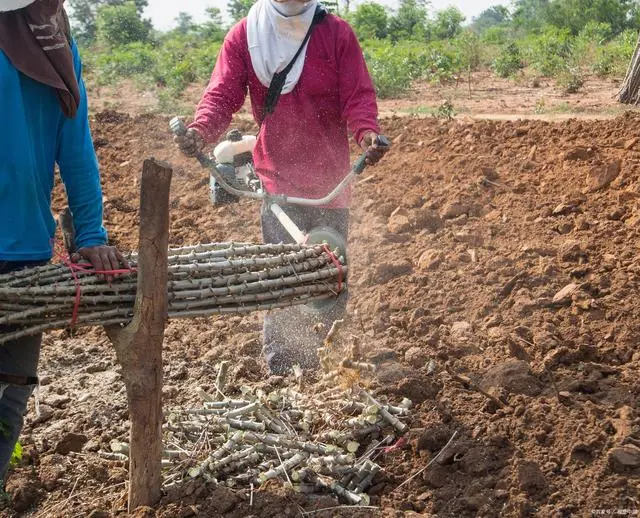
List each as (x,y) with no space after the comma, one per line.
(357,94)
(227,89)
(78,165)
(79,171)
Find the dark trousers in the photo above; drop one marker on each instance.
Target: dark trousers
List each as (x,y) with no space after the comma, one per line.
(291,336)
(18,377)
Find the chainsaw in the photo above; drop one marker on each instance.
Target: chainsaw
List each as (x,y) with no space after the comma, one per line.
(232,176)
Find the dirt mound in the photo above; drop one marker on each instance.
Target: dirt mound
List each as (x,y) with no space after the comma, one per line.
(494,280)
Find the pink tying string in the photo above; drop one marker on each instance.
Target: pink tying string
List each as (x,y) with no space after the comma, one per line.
(337,264)
(85,268)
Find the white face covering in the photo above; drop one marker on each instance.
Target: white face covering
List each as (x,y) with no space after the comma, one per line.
(290,7)
(275,31)
(13,5)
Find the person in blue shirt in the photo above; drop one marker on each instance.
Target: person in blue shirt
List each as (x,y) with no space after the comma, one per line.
(44,122)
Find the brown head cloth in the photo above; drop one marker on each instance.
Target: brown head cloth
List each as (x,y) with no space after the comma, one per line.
(36,39)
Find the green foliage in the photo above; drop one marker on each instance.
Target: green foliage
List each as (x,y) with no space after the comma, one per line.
(172,65)
(119,25)
(184,61)
(570,79)
(133,59)
(447,23)
(612,59)
(238,9)
(410,20)
(390,68)
(16,456)
(467,45)
(496,36)
(213,29)
(446,111)
(491,18)
(560,39)
(395,67)
(370,20)
(333,6)
(529,15)
(184,23)
(597,33)
(84,13)
(550,52)
(509,61)
(576,14)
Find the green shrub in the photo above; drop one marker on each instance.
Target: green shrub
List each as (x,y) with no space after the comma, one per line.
(612,59)
(467,50)
(390,72)
(496,36)
(571,80)
(133,59)
(395,67)
(596,33)
(446,110)
(508,62)
(550,51)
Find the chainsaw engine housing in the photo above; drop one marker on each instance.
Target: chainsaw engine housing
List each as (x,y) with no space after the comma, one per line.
(234,162)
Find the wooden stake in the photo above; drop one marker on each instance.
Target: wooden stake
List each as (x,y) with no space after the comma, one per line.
(139,345)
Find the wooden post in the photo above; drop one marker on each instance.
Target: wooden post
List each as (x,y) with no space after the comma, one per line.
(139,345)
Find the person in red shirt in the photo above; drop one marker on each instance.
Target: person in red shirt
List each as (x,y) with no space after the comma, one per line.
(302,147)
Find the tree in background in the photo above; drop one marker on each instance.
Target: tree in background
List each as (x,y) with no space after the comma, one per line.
(530,15)
(238,9)
(121,24)
(184,23)
(576,14)
(370,20)
(412,43)
(84,13)
(447,23)
(410,20)
(213,28)
(494,16)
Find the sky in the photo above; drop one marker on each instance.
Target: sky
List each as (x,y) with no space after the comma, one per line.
(163,12)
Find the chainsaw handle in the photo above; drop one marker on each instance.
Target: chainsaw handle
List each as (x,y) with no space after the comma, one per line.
(179,129)
(361,163)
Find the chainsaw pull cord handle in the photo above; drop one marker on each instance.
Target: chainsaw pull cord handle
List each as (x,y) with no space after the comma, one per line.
(361,163)
(179,129)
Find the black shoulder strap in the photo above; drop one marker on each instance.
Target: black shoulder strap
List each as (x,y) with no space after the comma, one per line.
(279,78)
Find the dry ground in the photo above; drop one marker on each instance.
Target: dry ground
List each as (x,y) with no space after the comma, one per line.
(503,251)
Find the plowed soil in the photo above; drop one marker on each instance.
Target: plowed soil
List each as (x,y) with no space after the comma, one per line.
(494,275)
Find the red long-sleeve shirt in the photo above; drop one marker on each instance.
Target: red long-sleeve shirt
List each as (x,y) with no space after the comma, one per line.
(303,147)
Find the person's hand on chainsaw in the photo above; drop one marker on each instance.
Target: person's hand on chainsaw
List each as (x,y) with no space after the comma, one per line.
(372,147)
(191,143)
